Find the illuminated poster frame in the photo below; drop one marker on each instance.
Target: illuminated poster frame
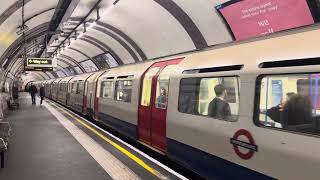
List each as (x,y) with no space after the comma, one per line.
(313,7)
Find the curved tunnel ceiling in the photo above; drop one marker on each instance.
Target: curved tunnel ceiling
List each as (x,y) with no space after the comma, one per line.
(76,32)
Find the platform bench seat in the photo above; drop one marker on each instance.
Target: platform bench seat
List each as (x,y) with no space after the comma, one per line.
(5,131)
(13,103)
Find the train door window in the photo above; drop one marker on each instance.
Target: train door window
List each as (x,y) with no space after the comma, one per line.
(163,86)
(146,86)
(74,87)
(80,86)
(62,87)
(289,102)
(123,90)
(216,97)
(107,89)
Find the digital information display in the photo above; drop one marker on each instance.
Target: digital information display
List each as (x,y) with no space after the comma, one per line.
(39,64)
(251,18)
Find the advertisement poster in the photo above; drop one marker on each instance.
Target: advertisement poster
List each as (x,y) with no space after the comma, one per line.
(251,18)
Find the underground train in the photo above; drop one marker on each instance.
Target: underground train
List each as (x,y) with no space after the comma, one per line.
(166,105)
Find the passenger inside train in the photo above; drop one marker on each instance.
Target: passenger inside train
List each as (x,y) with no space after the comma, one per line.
(218,107)
(275,113)
(298,109)
(196,95)
(123,90)
(162,99)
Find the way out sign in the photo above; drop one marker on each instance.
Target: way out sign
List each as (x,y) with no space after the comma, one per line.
(40,62)
(247,144)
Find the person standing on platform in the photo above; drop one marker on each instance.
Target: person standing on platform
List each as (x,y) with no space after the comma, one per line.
(33,91)
(42,93)
(15,92)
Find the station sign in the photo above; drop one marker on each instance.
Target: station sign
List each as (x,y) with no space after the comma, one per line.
(39,64)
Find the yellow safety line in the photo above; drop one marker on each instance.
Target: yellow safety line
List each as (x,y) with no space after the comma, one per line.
(123,150)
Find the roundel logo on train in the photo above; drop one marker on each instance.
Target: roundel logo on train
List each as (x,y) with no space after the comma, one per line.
(248,144)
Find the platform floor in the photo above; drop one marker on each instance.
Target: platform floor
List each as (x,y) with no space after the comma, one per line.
(50,142)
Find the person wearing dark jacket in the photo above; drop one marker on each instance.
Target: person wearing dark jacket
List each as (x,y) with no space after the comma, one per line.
(218,107)
(15,92)
(297,111)
(42,93)
(33,90)
(275,113)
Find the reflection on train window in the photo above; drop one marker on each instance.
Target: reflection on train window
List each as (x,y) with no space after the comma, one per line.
(54,87)
(123,90)
(147,83)
(74,87)
(163,86)
(107,89)
(80,86)
(214,97)
(290,102)
(63,87)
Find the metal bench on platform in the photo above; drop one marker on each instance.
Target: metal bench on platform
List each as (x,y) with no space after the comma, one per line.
(13,103)
(5,131)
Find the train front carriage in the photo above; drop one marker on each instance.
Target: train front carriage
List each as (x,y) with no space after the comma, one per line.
(246,141)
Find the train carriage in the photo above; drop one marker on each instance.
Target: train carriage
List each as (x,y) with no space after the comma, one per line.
(248,144)
(118,96)
(54,86)
(47,87)
(64,90)
(77,92)
(169,105)
(90,93)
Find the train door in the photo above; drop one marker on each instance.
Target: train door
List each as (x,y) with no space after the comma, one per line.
(153,104)
(84,97)
(86,93)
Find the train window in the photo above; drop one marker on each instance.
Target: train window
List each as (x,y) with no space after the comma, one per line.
(216,97)
(107,89)
(290,102)
(147,83)
(123,90)
(80,86)
(74,87)
(163,86)
(63,87)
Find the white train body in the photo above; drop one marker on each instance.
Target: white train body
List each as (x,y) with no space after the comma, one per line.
(247,146)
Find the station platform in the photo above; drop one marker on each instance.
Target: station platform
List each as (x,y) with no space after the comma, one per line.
(51,142)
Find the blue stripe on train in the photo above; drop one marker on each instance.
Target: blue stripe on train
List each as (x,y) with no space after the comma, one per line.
(76,107)
(207,165)
(128,129)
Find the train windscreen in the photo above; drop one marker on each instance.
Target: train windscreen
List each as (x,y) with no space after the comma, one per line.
(251,18)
